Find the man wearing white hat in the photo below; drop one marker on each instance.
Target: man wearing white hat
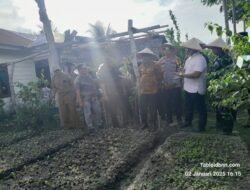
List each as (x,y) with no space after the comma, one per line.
(223,59)
(63,88)
(150,77)
(195,83)
(219,48)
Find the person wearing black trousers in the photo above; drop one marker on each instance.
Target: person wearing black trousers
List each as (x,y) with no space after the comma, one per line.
(171,85)
(194,76)
(222,61)
(150,76)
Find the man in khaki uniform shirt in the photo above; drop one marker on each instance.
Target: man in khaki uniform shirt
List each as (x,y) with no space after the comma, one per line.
(64,89)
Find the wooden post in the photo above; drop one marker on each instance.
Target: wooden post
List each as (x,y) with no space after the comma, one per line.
(54,57)
(12,89)
(134,62)
(133,51)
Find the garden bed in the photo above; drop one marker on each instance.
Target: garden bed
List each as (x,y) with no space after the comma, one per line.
(181,156)
(8,138)
(89,163)
(15,156)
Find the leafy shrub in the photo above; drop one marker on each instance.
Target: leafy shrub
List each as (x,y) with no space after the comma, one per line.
(31,110)
(231,89)
(173,35)
(2,113)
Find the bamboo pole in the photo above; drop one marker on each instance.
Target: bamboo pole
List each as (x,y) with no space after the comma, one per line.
(134,62)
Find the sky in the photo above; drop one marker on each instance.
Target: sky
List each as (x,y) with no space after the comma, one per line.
(22,15)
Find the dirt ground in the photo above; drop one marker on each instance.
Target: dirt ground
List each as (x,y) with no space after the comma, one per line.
(121,158)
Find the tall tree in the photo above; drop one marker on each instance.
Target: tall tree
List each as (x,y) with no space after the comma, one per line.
(224,2)
(211,2)
(54,57)
(100,32)
(224,8)
(236,9)
(233,16)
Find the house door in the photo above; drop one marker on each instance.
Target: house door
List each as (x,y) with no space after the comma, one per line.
(4,82)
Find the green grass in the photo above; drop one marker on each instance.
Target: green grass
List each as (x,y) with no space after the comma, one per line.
(184,152)
(238,130)
(243,132)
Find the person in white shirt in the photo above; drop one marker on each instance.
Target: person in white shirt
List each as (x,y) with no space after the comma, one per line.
(194,84)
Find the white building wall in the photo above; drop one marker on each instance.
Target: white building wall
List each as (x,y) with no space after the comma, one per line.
(24,72)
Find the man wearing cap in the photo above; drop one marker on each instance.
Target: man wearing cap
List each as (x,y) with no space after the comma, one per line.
(63,88)
(194,83)
(171,84)
(223,60)
(150,77)
(87,92)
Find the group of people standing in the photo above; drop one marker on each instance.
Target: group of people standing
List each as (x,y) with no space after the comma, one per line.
(161,83)
(81,93)
(160,88)
(91,99)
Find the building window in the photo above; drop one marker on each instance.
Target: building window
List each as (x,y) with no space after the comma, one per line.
(42,68)
(4,82)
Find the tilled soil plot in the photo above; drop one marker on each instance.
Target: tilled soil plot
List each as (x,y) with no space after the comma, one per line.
(31,149)
(177,162)
(12,137)
(89,163)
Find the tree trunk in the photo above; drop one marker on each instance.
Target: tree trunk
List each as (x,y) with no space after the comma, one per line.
(226,18)
(54,57)
(244,26)
(234,19)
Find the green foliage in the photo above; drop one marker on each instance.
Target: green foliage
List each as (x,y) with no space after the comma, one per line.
(31,110)
(242,45)
(173,36)
(229,88)
(211,57)
(211,2)
(218,29)
(241,8)
(172,32)
(2,112)
(178,33)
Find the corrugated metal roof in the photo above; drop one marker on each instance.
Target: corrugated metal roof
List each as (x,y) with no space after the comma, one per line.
(11,38)
(18,39)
